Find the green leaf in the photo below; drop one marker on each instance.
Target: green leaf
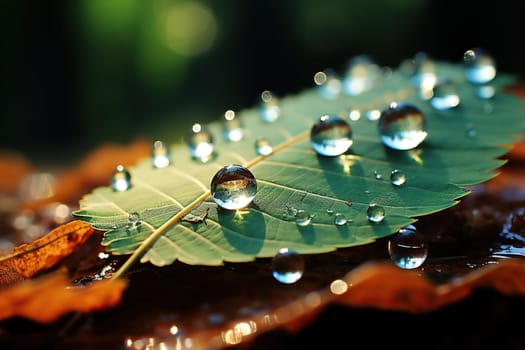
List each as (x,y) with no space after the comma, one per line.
(179,221)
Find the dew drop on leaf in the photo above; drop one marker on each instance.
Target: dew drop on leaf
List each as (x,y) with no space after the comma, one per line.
(263,146)
(485,91)
(287,266)
(200,143)
(360,76)
(480,67)
(377,175)
(233,187)
(445,96)
(423,75)
(268,107)
(328,84)
(232,128)
(302,217)
(134,219)
(375,213)
(340,219)
(406,249)
(397,177)
(160,155)
(402,126)
(120,179)
(331,135)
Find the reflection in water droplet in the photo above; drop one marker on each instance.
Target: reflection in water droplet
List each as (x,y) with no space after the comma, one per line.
(397,177)
(402,126)
(375,213)
(269,109)
(160,155)
(361,75)
(328,84)
(445,96)
(302,218)
(200,143)
(480,67)
(233,187)
(121,179)
(232,129)
(134,219)
(331,136)
(406,249)
(287,266)
(263,146)
(485,91)
(340,219)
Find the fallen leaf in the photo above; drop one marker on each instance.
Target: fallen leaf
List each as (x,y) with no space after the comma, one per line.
(45,252)
(45,299)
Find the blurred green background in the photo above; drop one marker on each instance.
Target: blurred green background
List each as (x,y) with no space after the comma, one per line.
(76,74)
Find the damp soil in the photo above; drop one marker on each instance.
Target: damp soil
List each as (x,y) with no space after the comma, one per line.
(484,228)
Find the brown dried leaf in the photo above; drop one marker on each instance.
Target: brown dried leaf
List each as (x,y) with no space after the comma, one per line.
(46,298)
(45,252)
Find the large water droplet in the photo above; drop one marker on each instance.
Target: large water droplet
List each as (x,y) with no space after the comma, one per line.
(287,266)
(302,217)
(232,129)
(328,84)
(269,109)
(263,146)
(340,219)
(480,67)
(200,143)
(331,136)
(233,187)
(361,75)
(402,126)
(445,95)
(375,213)
(397,178)
(160,155)
(406,249)
(121,179)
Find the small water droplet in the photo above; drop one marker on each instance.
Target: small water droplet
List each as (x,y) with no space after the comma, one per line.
(397,177)
(134,219)
(485,91)
(445,95)
(287,266)
(329,211)
(233,187)
(402,126)
(121,179)
(377,176)
(354,114)
(269,109)
(160,155)
(200,143)
(328,84)
(340,219)
(480,67)
(406,249)
(423,74)
(375,213)
(302,218)
(470,131)
(232,129)
(331,136)
(361,75)
(373,114)
(263,146)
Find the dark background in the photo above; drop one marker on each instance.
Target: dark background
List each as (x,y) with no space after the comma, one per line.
(75,74)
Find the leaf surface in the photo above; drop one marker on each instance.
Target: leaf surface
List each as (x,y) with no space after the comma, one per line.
(464,147)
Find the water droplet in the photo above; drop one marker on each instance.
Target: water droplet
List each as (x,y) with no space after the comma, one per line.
(160,155)
(397,177)
(402,126)
(331,136)
(373,114)
(444,95)
(375,213)
(269,109)
(263,146)
(302,218)
(485,91)
(480,67)
(377,176)
(134,219)
(232,129)
(354,114)
(329,211)
(233,187)
(340,219)
(361,75)
(406,249)
(423,74)
(121,179)
(328,84)
(200,143)
(287,266)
